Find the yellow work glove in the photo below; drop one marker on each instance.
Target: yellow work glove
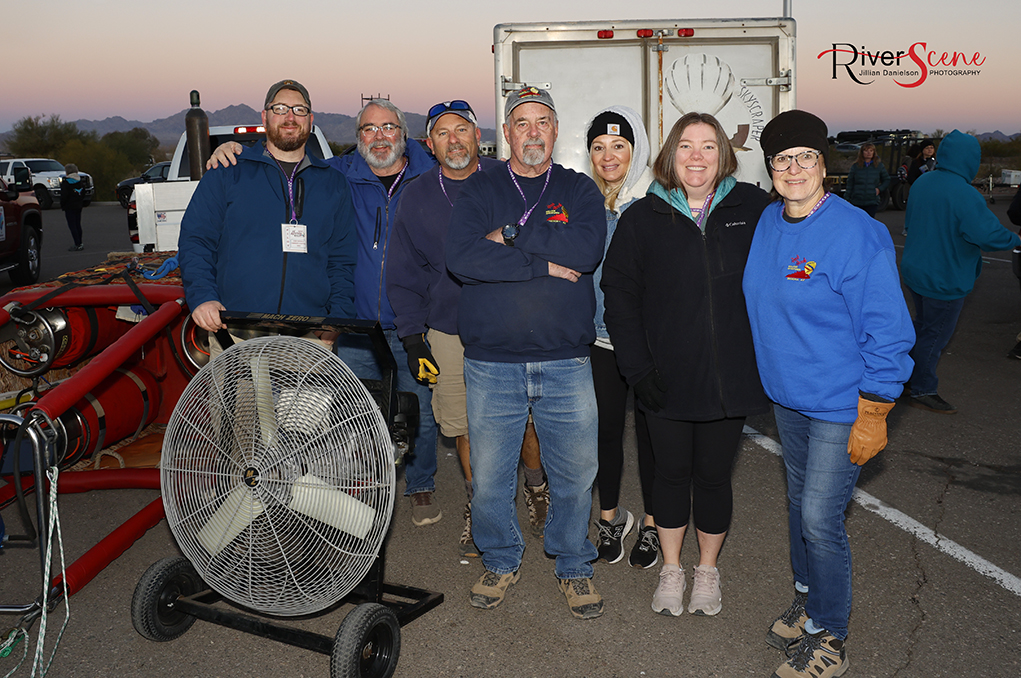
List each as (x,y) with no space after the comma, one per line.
(420,359)
(868,433)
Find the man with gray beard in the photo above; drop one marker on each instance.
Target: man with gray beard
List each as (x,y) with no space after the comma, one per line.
(379,172)
(425,296)
(524,238)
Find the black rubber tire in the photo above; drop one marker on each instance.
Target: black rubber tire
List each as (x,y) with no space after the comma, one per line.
(368,643)
(86,203)
(884,201)
(124,197)
(152,612)
(29,258)
(43,196)
(900,196)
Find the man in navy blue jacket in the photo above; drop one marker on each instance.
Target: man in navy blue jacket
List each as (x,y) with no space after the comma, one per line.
(386,161)
(378,172)
(524,239)
(273,233)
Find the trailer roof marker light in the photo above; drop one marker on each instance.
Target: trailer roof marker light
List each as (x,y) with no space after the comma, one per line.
(685,32)
(603,35)
(251,129)
(644,32)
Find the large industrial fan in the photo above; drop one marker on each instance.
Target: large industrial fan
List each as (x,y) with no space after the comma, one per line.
(278,481)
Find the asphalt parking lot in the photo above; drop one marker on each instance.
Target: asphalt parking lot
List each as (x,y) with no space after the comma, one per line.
(934,532)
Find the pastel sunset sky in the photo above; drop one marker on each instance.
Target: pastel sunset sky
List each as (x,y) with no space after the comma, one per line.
(139,60)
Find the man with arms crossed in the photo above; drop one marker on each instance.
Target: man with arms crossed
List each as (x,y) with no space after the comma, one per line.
(425,296)
(525,238)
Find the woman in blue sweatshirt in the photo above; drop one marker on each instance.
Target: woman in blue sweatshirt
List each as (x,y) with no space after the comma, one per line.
(832,335)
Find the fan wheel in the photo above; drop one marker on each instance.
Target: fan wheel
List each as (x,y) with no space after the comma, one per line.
(152,605)
(368,643)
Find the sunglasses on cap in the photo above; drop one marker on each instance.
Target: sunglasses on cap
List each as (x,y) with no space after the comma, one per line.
(446,106)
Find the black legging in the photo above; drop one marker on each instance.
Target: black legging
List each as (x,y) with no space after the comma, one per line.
(74,223)
(694,459)
(611,398)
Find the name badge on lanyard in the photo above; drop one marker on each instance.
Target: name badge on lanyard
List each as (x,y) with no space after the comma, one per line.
(295,238)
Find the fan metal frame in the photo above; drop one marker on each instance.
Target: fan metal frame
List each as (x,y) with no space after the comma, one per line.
(405,603)
(277,476)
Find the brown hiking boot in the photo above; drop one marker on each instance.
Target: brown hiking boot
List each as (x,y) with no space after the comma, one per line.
(582,598)
(491,588)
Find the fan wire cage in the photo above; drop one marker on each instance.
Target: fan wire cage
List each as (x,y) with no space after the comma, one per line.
(278,476)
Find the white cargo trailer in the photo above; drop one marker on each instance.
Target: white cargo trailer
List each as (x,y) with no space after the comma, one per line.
(740,70)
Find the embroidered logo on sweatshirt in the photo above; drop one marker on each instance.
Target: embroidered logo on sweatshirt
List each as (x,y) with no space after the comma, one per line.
(802,269)
(556,212)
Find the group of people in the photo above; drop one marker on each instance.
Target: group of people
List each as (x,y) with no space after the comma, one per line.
(531,298)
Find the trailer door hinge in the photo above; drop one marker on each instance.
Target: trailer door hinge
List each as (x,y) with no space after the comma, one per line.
(783,81)
(506,86)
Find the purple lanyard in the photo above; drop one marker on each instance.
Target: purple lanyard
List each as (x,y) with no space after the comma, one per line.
(704,210)
(290,186)
(818,204)
(443,188)
(393,186)
(524,217)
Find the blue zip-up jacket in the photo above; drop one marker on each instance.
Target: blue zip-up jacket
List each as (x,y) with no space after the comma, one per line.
(949,224)
(423,293)
(827,313)
(375,213)
(231,241)
(512,310)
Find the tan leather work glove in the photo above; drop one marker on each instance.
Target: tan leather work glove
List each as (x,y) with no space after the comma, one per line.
(868,433)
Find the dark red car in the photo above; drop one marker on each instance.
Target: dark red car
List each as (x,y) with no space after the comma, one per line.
(21,231)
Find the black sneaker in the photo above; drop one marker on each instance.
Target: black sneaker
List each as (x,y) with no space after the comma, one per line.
(611,537)
(645,552)
(76,248)
(933,403)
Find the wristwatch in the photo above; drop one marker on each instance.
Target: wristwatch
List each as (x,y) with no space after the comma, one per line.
(509,232)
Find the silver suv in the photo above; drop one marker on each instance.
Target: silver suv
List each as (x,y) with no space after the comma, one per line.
(46,175)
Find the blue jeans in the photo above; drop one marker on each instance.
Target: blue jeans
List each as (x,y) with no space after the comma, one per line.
(935,322)
(420,465)
(820,482)
(560,396)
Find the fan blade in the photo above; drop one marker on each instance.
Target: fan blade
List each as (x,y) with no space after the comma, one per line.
(263,385)
(305,410)
(236,513)
(312,497)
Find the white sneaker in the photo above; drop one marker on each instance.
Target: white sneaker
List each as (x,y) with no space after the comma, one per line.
(669,594)
(706,597)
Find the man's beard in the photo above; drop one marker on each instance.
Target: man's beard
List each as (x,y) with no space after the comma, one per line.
(534,152)
(457,162)
(397,149)
(285,143)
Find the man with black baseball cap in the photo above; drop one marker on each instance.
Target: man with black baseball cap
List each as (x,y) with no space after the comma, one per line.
(524,238)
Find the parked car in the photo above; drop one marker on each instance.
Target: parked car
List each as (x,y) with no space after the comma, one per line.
(46,174)
(157,172)
(21,229)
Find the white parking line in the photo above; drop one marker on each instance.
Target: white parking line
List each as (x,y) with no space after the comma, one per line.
(912,526)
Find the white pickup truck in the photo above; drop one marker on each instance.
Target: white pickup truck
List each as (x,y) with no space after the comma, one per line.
(155,210)
(46,174)
(740,70)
